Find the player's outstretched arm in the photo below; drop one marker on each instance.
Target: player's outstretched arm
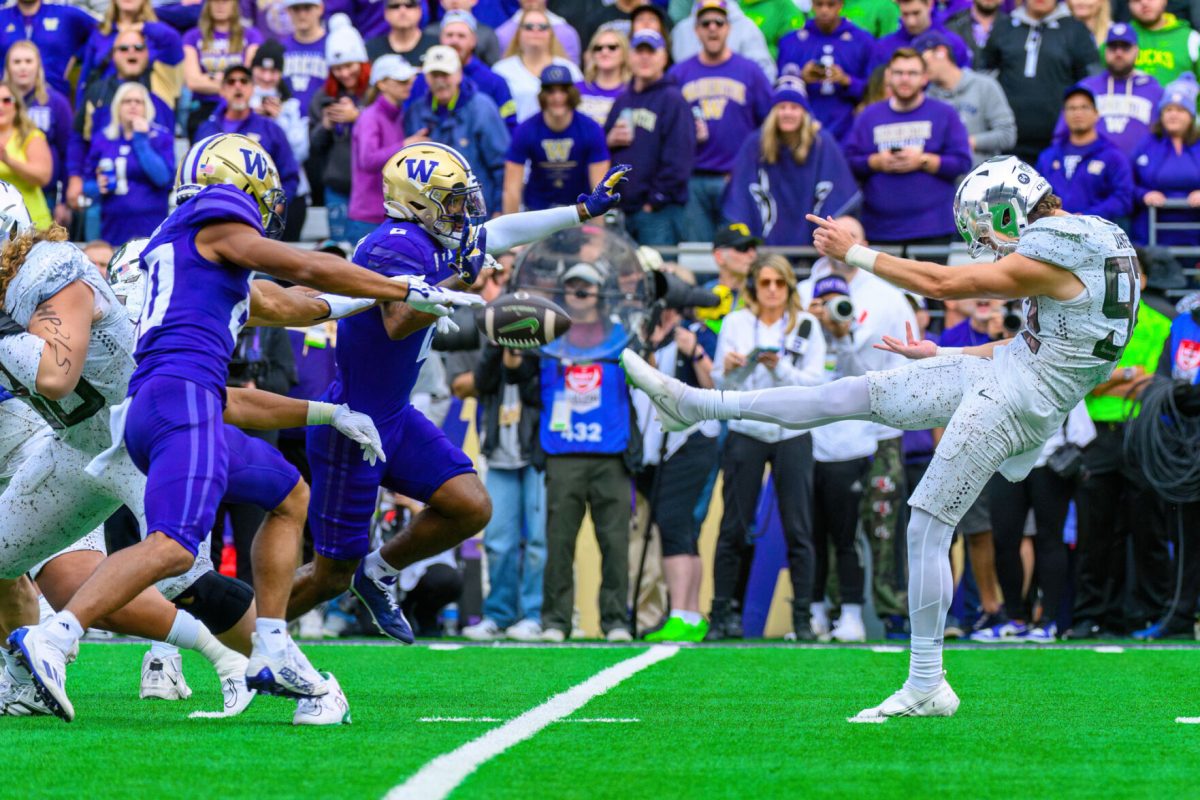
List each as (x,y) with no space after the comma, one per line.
(1011,278)
(915,348)
(273,306)
(60,330)
(241,244)
(514,230)
(266,411)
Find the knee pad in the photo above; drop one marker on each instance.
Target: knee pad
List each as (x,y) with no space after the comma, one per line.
(216,600)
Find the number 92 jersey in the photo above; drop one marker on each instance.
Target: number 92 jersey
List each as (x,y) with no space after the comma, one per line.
(1070,346)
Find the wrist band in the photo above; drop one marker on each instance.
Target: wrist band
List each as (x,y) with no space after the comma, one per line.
(862,257)
(320,413)
(340,306)
(950,351)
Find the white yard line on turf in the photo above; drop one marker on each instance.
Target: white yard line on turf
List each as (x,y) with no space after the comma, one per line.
(1188,720)
(440,777)
(498,719)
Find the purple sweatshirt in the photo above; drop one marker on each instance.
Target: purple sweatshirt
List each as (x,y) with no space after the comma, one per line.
(663,149)
(1158,168)
(849,47)
(376,136)
(1091,179)
(304,68)
(733,98)
(1126,105)
(914,205)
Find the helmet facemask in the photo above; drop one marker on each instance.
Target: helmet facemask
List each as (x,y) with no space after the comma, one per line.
(274,206)
(456,208)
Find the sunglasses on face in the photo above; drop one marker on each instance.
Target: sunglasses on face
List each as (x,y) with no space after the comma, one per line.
(605,47)
(767,283)
(237,81)
(715,22)
(535,26)
(394,6)
(130,48)
(745,248)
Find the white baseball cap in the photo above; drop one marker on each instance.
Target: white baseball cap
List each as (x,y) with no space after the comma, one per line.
(441,58)
(392,66)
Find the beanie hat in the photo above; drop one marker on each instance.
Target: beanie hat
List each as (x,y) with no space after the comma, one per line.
(344,45)
(1181,92)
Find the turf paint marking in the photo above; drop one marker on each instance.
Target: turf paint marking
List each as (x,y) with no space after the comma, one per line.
(593,720)
(445,647)
(1188,720)
(887,648)
(1108,648)
(442,775)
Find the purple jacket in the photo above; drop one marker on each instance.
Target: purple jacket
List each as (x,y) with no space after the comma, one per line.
(914,205)
(1158,168)
(1092,179)
(1127,108)
(663,152)
(850,47)
(377,135)
(902,38)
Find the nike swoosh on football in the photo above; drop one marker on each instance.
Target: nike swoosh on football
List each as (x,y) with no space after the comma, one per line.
(530,323)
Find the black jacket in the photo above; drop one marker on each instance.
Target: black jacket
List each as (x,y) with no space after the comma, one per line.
(491,376)
(1063,54)
(962,24)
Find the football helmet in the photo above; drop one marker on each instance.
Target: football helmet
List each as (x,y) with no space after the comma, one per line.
(433,185)
(126,277)
(239,161)
(14,216)
(993,203)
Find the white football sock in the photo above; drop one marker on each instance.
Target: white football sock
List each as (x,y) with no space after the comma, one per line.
(376,568)
(64,630)
(690,617)
(15,672)
(799,407)
(162,650)
(228,663)
(45,610)
(273,634)
(930,590)
(184,631)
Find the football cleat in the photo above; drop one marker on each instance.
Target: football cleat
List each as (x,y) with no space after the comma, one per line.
(331,709)
(673,630)
(162,678)
(20,699)
(379,597)
(47,665)
(286,675)
(663,391)
(941,701)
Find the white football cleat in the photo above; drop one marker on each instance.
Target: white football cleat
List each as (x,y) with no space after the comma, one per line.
(663,391)
(941,701)
(527,630)
(20,699)
(48,666)
(162,678)
(486,630)
(330,709)
(286,675)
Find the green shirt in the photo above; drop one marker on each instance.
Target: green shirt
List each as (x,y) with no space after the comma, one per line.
(1168,52)
(1144,349)
(775,18)
(877,17)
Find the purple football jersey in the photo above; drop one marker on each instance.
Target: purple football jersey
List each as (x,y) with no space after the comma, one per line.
(194,308)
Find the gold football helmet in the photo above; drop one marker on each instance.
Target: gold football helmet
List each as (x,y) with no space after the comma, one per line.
(239,161)
(432,184)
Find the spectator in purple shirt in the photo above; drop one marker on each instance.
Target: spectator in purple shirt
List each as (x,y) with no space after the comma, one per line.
(908,151)
(1089,173)
(304,67)
(831,55)
(916,17)
(219,42)
(1167,165)
(650,126)
(606,75)
(49,110)
(730,97)
(565,151)
(129,167)
(1127,98)
(376,137)
(59,30)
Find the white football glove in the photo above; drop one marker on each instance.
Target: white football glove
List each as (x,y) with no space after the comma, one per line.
(360,429)
(446,325)
(435,300)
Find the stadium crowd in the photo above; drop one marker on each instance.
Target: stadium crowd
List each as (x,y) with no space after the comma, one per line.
(738,118)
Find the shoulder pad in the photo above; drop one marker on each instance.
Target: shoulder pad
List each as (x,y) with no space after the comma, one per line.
(221,203)
(48,269)
(1062,241)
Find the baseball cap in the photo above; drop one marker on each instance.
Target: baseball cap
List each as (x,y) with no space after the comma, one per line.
(441,58)
(465,17)
(557,75)
(237,69)
(1121,32)
(1079,88)
(392,66)
(735,234)
(831,284)
(585,272)
(647,37)
(291,3)
(931,39)
(711,5)
(269,55)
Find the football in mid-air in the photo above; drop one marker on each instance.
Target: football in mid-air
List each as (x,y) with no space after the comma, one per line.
(522,321)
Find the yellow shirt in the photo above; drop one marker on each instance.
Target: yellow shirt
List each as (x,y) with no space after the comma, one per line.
(35,199)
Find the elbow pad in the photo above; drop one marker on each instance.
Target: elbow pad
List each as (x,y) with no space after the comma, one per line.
(20,357)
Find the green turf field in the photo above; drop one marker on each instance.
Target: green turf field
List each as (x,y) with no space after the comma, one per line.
(709,722)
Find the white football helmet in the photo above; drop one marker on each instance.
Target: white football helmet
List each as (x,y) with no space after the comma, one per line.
(126,276)
(14,216)
(993,204)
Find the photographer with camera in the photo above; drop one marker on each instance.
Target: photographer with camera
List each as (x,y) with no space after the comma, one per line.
(772,342)
(677,464)
(842,454)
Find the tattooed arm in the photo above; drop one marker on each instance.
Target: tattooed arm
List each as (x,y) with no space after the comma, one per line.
(65,323)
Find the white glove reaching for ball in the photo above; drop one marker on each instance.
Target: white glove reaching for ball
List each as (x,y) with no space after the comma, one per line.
(434,299)
(360,429)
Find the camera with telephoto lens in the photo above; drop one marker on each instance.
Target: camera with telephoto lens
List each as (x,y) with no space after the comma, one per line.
(1014,321)
(840,308)
(675,293)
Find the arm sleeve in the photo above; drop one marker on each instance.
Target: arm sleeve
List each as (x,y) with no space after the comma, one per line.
(736,203)
(1085,53)
(1140,180)
(153,164)
(77,145)
(506,232)
(1001,133)
(844,196)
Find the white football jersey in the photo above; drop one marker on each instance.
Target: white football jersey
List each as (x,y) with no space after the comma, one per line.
(81,420)
(1069,347)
